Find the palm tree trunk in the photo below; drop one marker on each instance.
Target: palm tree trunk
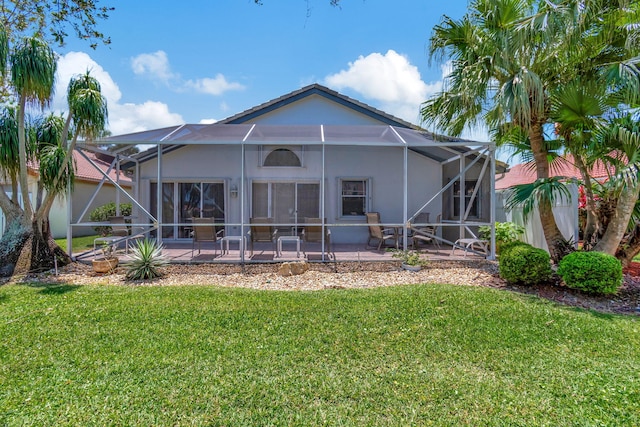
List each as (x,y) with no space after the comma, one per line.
(12,210)
(48,199)
(592,225)
(22,154)
(620,221)
(630,247)
(552,233)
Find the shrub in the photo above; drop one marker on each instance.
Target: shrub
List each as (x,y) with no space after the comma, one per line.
(146,260)
(593,272)
(506,232)
(508,246)
(104,212)
(412,258)
(522,263)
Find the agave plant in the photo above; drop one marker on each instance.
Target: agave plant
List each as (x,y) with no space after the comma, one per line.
(146,260)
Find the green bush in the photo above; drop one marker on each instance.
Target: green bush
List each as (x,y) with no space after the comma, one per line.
(506,232)
(104,212)
(593,272)
(146,260)
(522,263)
(508,246)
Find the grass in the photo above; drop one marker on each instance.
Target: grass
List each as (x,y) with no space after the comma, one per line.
(79,244)
(414,355)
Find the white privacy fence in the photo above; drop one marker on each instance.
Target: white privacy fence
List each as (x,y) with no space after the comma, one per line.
(565,211)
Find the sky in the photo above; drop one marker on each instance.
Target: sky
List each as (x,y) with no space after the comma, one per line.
(199,61)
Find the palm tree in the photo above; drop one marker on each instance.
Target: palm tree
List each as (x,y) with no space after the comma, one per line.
(605,85)
(624,137)
(511,58)
(88,117)
(33,70)
(500,78)
(577,109)
(9,163)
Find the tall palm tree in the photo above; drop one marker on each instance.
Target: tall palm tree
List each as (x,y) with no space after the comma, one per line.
(577,110)
(604,84)
(33,69)
(624,137)
(9,162)
(500,78)
(509,59)
(87,117)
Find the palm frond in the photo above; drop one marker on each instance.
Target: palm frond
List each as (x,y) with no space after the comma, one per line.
(529,196)
(33,70)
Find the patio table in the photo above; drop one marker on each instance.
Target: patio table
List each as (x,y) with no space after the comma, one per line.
(290,239)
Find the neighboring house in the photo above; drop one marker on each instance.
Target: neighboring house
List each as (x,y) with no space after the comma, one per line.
(312,153)
(565,211)
(87,181)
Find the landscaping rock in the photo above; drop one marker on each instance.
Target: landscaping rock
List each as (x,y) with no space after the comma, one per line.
(287,269)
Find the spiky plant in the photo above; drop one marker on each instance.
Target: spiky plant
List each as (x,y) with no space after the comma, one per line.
(146,260)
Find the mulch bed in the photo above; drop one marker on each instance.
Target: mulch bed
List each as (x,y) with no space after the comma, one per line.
(625,301)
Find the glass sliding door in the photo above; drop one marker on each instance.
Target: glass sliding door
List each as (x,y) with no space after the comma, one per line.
(308,204)
(283,203)
(167,206)
(286,202)
(195,200)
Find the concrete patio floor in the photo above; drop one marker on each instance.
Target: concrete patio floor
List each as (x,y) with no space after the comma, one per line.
(265,253)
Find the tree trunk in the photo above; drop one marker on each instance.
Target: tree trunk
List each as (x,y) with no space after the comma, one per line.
(23,173)
(617,227)
(29,250)
(12,211)
(629,247)
(552,234)
(592,226)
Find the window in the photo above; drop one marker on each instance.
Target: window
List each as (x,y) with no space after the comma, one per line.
(474,212)
(282,157)
(186,200)
(354,197)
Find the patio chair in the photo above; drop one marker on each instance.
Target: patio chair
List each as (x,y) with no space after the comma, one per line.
(261,230)
(119,233)
(204,230)
(312,233)
(424,234)
(377,232)
(118,226)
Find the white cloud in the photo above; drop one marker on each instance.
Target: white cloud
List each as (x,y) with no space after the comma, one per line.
(389,79)
(395,86)
(207,121)
(74,63)
(213,86)
(155,64)
(123,118)
(139,117)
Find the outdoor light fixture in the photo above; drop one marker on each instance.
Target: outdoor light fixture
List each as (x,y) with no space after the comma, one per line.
(234,191)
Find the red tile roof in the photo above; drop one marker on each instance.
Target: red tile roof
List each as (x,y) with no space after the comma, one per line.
(525,173)
(86,172)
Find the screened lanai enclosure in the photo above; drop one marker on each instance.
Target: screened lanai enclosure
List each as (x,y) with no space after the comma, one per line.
(291,179)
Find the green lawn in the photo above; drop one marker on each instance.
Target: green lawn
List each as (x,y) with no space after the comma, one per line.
(79,244)
(401,356)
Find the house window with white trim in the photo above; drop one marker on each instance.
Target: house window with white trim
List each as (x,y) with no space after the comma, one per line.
(354,196)
(474,211)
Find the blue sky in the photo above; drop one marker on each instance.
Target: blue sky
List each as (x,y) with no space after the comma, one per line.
(203,60)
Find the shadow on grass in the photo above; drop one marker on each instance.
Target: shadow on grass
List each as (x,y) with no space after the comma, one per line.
(54,289)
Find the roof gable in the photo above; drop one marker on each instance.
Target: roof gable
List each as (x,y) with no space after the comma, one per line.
(268,108)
